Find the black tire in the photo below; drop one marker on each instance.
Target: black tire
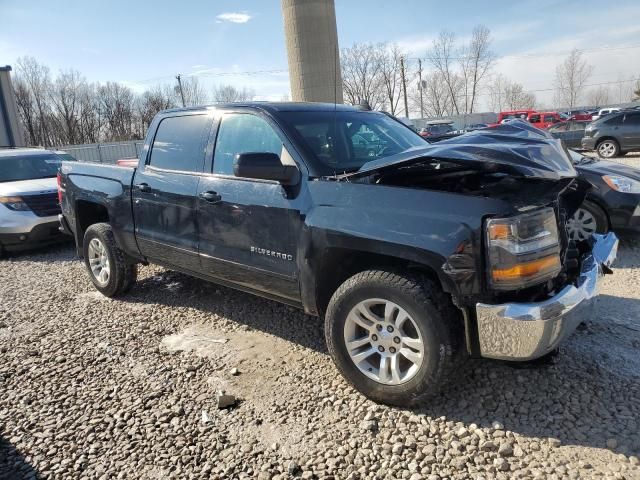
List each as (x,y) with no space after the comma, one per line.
(608,148)
(438,320)
(122,275)
(130,279)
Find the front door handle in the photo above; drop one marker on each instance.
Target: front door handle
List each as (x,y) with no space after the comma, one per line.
(143,187)
(211,197)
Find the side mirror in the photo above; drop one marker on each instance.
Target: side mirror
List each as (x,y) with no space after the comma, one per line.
(265,166)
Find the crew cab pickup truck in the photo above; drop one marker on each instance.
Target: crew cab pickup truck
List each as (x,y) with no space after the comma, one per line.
(416,255)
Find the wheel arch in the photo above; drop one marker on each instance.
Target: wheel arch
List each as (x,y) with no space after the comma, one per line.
(88,213)
(340,263)
(600,204)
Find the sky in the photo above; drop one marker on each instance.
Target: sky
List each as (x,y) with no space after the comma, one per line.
(144,43)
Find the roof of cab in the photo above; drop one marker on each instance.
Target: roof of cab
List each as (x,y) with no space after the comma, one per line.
(17,152)
(272,107)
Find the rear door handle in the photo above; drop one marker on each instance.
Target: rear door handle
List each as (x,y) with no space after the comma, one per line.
(143,187)
(211,197)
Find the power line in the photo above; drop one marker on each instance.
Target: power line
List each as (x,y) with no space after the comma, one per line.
(539,55)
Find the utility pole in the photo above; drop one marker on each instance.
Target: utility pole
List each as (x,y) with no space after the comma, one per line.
(420,87)
(178,77)
(404,87)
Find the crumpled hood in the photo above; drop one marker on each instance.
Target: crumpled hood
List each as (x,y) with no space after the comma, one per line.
(518,148)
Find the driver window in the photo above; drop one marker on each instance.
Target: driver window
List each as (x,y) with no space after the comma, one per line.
(243,133)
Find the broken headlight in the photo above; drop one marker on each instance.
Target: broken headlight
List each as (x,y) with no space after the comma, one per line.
(523,250)
(14,203)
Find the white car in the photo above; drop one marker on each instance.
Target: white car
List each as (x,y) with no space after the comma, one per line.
(29,198)
(604,111)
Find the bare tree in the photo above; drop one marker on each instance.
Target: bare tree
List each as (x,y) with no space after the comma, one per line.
(229,93)
(476,60)
(598,96)
(116,102)
(37,81)
(507,95)
(65,103)
(571,78)
(438,101)
(91,119)
(362,80)
(194,92)
(151,102)
(27,110)
(442,58)
(390,58)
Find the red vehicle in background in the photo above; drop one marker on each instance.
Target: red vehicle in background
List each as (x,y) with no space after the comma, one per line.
(514,115)
(578,115)
(127,162)
(546,119)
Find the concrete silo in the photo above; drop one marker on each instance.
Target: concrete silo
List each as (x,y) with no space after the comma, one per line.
(312,49)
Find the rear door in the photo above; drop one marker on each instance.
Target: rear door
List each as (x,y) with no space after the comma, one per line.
(575,133)
(165,190)
(246,225)
(631,131)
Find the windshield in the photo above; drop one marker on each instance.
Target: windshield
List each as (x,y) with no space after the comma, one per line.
(28,167)
(344,141)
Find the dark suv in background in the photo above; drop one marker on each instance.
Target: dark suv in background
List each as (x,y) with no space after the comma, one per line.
(613,135)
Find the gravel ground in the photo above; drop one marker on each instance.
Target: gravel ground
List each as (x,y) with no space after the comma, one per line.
(632,158)
(98,388)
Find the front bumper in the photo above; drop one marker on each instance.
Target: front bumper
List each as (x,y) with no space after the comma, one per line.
(41,234)
(526,331)
(588,143)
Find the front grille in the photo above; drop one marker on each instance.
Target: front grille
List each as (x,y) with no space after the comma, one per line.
(43,205)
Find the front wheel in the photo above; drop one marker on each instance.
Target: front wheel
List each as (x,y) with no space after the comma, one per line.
(587,220)
(394,337)
(105,262)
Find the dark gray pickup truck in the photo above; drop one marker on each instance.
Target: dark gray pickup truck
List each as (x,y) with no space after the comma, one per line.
(416,255)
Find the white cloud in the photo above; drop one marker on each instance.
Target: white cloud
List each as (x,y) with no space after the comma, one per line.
(233,17)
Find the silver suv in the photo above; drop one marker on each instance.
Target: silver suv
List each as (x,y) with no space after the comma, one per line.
(29,198)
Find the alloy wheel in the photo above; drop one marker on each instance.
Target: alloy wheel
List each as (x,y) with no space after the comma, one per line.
(383,341)
(607,149)
(99,261)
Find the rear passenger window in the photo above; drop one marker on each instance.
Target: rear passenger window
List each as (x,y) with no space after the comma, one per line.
(632,119)
(616,120)
(243,133)
(179,143)
(549,118)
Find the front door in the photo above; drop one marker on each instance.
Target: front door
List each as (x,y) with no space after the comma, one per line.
(246,225)
(165,191)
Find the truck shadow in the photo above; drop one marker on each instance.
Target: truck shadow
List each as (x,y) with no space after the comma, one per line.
(13,465)
(60,252)
(574,398)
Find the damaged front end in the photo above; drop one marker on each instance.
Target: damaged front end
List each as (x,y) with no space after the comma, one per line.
(532,275)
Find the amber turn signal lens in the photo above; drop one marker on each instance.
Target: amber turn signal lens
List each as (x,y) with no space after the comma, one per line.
(528,269)
(499,231)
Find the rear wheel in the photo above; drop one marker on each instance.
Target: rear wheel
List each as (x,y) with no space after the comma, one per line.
(608,148)
(105,262)
(393,336)
(587,220)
